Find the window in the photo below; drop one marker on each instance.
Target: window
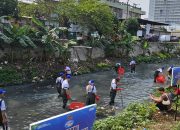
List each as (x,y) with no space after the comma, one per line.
(161,12)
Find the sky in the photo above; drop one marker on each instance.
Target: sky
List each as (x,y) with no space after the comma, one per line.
(144,4)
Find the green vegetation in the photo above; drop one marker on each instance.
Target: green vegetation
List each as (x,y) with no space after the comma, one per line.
(103,66)
(92,15)
(155,57)
(10,75)
(176,127)
(8,7)
(83,70)
(132,26)
(42,8)
(14,35)
(31,38)
(136,114)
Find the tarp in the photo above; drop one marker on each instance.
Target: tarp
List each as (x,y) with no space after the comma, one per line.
(175,75)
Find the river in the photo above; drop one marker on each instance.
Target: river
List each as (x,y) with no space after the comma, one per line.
(28,104)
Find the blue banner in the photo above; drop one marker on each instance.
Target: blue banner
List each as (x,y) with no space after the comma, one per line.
(175,75)
(80,119)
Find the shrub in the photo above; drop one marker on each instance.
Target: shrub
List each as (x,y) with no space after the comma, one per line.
(10,76)
(83,70)
(158,56)
(136,114)
(146,59)
(177,127)
(103,65)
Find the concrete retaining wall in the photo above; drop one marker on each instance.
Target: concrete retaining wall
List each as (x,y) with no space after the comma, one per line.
(83,53)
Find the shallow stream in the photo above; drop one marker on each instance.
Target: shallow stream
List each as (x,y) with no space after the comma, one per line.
(27,104)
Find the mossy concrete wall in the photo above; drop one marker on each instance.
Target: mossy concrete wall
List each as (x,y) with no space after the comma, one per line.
(85,53)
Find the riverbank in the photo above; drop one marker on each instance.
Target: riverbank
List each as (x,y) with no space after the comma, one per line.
(32,72)
(162,121)
(138,116)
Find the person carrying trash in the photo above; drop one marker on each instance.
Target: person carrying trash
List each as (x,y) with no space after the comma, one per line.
(91,93)
(59,82)
(157,72)
(132,65)
(3,114)
(113,91)
(65,90)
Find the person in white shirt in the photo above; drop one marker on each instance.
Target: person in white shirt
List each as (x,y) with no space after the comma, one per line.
(68,70)
(59,82)
(65,90)
(91,93)
(3,114)
(133,66)
(156,74)
(113,90)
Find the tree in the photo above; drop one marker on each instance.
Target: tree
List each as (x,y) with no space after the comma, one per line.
(92,15)
(27,9)
(132,26)
(8,7)
(41,8)
(50,41)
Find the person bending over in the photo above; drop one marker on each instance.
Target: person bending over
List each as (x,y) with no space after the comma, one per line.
(163,102)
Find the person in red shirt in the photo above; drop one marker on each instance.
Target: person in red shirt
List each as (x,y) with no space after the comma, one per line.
(176,91)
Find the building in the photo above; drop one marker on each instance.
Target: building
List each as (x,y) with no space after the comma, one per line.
(151,10)
(166,11)
(123,10)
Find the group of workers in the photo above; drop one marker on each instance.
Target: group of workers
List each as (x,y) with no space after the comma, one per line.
(63,79)
(62,82)
(162,102)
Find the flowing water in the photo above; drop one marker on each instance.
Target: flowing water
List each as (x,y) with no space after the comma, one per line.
(28,104)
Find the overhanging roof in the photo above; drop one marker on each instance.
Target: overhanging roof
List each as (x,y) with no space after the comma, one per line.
(144,22)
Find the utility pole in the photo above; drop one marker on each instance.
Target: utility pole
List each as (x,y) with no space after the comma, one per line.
(127,9)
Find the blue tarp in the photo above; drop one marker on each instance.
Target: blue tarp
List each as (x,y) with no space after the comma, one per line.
(175,75)
(80,119)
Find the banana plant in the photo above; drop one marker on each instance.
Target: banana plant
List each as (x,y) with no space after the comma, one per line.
(50,40)
(16,36)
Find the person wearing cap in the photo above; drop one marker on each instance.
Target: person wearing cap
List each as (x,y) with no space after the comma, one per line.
(3,114)
(91,93)
(113,91)
(163,102)
(157,72)
(132,65)
(59,82)
(65,90)
(117,65)
(67,70)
